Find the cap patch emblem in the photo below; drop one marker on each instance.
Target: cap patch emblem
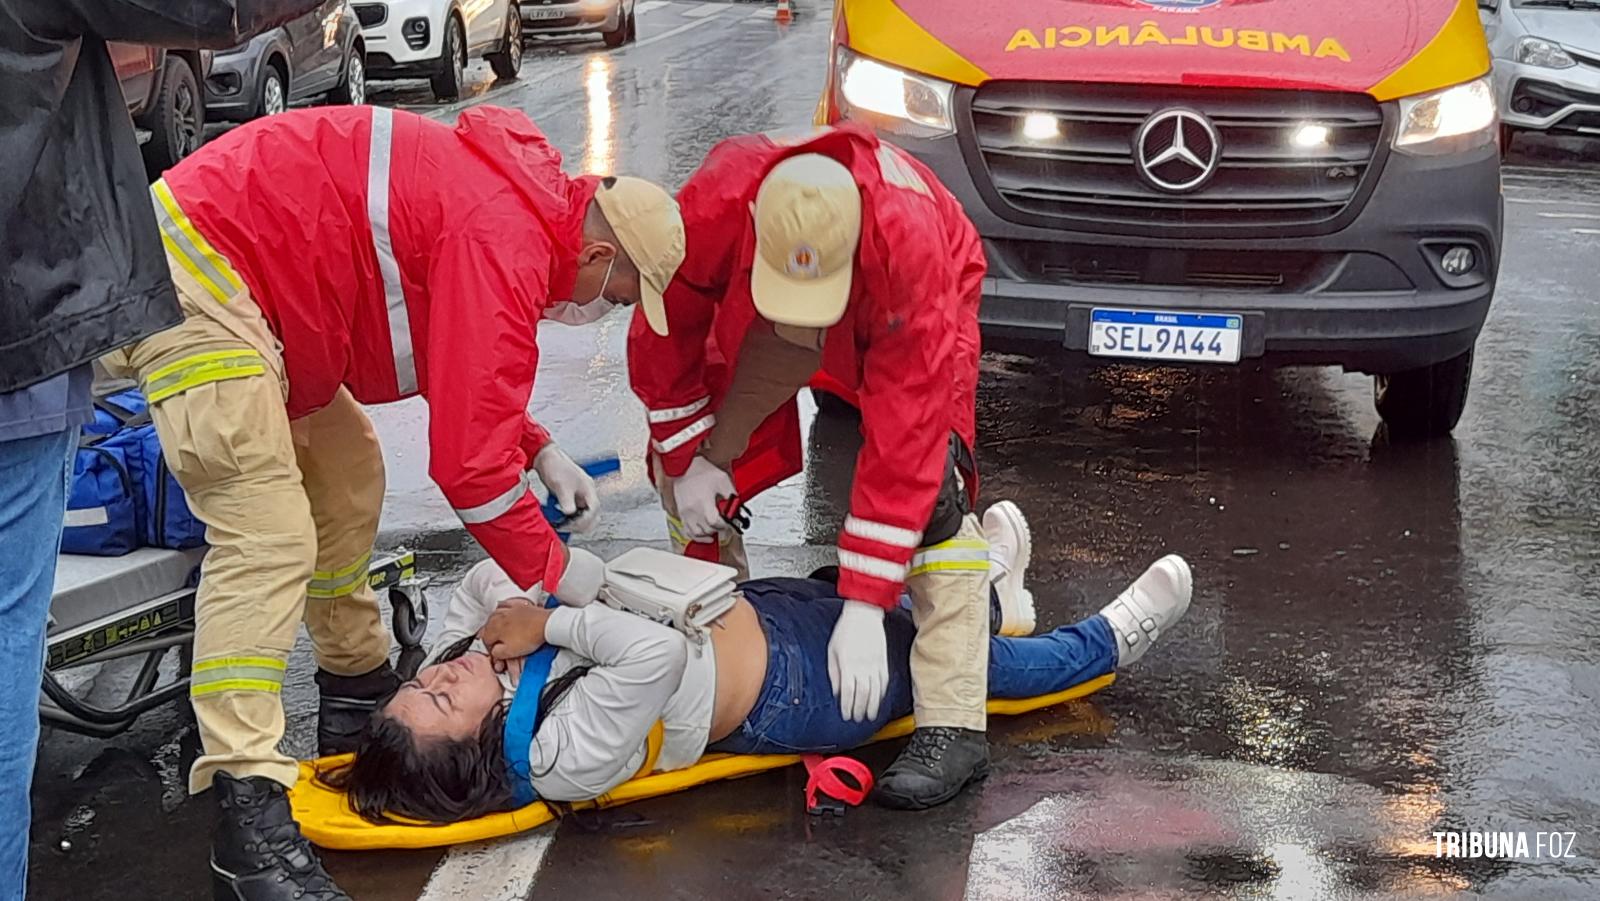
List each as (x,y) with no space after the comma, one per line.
(803,263)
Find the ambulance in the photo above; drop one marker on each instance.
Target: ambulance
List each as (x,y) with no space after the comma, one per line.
(1225,182)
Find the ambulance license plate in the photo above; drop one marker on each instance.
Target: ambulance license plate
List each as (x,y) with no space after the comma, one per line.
(1164,335)
(534,12)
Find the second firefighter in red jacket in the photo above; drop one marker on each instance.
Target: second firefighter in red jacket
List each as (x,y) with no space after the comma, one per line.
(840,252)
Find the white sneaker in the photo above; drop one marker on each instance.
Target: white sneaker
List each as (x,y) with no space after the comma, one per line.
(1010,551)
(1149,607)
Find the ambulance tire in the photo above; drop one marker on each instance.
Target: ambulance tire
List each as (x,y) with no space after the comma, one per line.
(1507,135)
(507,64)
(447,82)
(618,36)
(830,404)
(1424,403)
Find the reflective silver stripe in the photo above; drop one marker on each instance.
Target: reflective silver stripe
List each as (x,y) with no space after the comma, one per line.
(882,532)
(698,427)
(673,414)
(394,294)
(968,554)
(88,516)
(496,508)
(876,567)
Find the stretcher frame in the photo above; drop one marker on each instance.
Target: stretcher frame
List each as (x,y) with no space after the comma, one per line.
(153,628)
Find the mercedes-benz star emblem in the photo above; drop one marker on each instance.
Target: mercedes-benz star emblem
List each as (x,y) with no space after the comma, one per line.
(1177,150)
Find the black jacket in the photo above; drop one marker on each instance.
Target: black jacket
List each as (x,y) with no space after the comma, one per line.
(82,270)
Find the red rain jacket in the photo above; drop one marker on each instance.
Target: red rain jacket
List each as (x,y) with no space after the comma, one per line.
(397,256)
(907,345)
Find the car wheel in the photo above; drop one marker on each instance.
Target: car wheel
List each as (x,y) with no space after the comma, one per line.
(177,120)
(274,97)
(1426,402)
(353,90)
(447,84)
(507,64)
(618,36)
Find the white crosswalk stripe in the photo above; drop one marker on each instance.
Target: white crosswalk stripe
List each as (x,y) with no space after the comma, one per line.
(501,870)
(705,10)
(649,6)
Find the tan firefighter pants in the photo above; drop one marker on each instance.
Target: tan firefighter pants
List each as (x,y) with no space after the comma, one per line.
(949,585)
(291,511)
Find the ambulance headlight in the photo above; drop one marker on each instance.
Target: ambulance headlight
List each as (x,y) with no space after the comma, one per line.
(1448,121)
(891,99)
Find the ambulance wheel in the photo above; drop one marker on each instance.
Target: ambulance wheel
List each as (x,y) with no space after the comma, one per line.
(1424,403)
(507,64)
(830,404)
(1507,135)
(618,36)
(447,83)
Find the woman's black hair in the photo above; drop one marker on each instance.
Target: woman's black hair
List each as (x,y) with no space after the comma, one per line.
(440,780)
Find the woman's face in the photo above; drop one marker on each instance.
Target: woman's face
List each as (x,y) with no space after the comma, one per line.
(448,700)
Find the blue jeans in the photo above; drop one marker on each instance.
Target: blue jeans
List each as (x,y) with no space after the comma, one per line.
(797,712)
(33,499)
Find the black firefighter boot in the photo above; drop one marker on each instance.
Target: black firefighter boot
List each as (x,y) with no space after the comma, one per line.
(938,763)
(347,703)
(258,853)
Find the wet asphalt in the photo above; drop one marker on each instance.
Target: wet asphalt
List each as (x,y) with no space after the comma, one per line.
(1387,641)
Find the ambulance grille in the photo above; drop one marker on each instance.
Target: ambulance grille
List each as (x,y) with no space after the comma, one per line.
(1086,175)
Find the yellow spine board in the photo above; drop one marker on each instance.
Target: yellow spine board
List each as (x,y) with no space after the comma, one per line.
(328,821)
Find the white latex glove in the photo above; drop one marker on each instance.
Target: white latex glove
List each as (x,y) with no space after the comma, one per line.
(572,488)
(581,581)
(696,493)
(858,660)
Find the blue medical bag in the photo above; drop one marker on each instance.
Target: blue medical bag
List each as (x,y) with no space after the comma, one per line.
(123,496)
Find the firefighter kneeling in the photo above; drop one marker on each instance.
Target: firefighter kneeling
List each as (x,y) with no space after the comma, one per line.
(864,266)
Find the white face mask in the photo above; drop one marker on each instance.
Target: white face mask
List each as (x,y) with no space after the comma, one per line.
(570,312)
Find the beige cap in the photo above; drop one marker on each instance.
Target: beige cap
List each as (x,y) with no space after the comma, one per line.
(646,221)
(808,223)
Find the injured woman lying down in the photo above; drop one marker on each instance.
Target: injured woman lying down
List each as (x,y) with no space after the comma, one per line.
(437,752)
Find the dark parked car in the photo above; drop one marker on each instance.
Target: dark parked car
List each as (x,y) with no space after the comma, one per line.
(320,53)
(163,92)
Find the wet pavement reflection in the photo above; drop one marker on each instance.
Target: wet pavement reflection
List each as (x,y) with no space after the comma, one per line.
(1386,641)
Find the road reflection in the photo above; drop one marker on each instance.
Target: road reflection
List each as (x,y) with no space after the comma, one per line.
(599,156)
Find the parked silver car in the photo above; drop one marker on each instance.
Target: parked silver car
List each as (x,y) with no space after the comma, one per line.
(613,20)
(1546,64)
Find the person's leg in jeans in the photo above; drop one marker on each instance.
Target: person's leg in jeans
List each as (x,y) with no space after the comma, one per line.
(797,711)
(33,499)
(1055,661)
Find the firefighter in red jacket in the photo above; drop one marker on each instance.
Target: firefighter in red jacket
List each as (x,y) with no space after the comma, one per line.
(357,255)
(841,252)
